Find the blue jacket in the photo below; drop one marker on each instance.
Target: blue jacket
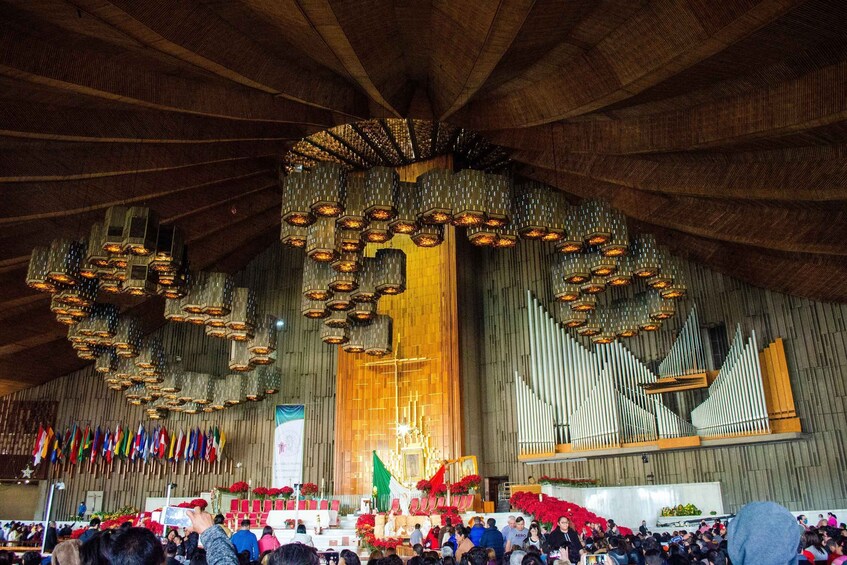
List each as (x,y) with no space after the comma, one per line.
(476,533)
(492,538)
(245,540)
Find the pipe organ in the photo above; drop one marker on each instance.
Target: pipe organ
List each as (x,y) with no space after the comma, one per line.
(580,398)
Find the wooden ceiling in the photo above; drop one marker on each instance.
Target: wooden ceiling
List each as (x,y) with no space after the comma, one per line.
(719,124)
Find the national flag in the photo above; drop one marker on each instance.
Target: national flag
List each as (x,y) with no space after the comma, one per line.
(222,443)
(39,442)
(76,438)
(173,447)
(189,448)
(138,444)
(387,487)
(201,445)
(198,441)
(48,443)
(130,441)
(119,436)
(66,443)
(164,443)
(95,445)
(84,444)
(56,453)
(106,447)
(216,442)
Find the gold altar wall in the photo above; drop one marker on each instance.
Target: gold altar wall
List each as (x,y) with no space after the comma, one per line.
(426,325)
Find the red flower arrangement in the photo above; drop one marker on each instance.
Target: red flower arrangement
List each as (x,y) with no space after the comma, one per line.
(459,488)
(547,509)
(307,489)
(260,492)
(439,490)
(273,492)
(365,531)
(239,487)
(286,492)
(545,480)
(424,485)
(472,480)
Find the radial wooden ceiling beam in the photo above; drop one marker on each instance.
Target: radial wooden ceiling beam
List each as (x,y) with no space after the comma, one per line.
(654,44)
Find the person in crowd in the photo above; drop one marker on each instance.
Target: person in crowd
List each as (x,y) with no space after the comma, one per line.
(494,539)
(831,520)
(517,535)
(507,529)
(475,556)
(803,521)
(245,540)
(463,542)
(51,537)
(81,510)
(492,556)
(31,558)
(477,530)
(565,539)
(93,529)
(642,529)
(134,546)
(447,556)
(535,539)
(219,520)
(449,539)
(392,559)
(812,546)
(66,553)
(752,544)
(170,554)
(268,541)
(416,537)
(374,557)
(302,537)
(516,557)
(433,538)
(294,554)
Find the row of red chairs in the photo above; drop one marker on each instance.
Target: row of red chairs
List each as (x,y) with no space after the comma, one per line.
(428,505)
(257,510)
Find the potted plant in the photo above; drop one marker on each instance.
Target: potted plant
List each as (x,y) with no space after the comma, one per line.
(308,490)
(286,492)
(239,488)
(424,486)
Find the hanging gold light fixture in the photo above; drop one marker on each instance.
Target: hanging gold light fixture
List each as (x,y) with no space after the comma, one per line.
(271,379)
(406,220)
(152,355)
(660,281)
(572,318)
(367,281)
(170,250)
(557,227)
(646,256)
(377,232)
(334,336)
(343,282)
(265,336)
(574,269)
(127,340)
(482,236)
(337,319)
(597,218)
(595,285)
(572,242)
(428,235)
(296,200)
(239,357)
(242,317)
(347,263)
(362,311)
(37,274)
(381,184)
(320,244)
(469,204)
(217,294)
(498,189)
(140,278)
(623,275)
(350,241)
(659,308)
(293,235)
(591,327)
(618,243)
(339,301)
(253,390)
(391,271)
(435,201)
(314,309)
(677,289)
(326,184)
(532,210)
(316,277)
(64,259)
(379,336)
(141,230)
(585,303)
(356,339)
(602,266)
(353,217)
(195,299)
(507,237)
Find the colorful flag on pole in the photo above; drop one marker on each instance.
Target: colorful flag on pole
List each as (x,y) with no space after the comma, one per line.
(39,443)
(48,443)
(57,449)
(95,445)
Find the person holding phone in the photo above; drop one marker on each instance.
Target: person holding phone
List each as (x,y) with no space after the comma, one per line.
(566,540)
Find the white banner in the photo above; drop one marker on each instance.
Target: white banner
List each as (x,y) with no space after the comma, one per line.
(289,444)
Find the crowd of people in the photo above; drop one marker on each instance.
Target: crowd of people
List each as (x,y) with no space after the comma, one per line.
(761,533)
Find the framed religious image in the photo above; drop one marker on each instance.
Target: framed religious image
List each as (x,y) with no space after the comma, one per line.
(468,464)
(413,464)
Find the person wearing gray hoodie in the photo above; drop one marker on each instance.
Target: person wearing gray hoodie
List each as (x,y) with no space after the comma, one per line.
(763,532)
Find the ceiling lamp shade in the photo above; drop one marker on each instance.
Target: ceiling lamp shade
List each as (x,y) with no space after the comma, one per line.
(172,381)
(565,292)
(590,328)
(572,242)
(367,281)
(507,237)
(82,294)
(264,337)
(623,275)
(660,309)
(337,319)
(239,357)
(253,390)
(575,269)
(353,217)
(64,260)
(532,210)
(557,228)
(381,184)
(363,311)
(626,319)
(573,319)
(585,303)
(377,232)
(103,322)
(95,257)
(316,277)
(435,202)
(647,259)
(320,244)
(195,299)
(347,263)
(618,243)
(313,309)
(379,336)
(242,317)
(334,336)
(232,390)
(127,340)
(349,241)
(677,289)
(293,236)
(296,202)
(648,325)
(356,339)
(198,319)
(595,285)
(217,294)
(482,236)
(326,189)
(428,235)
(340,301)
(597,218)
(391,271)
(343,282)
(151,355)
(140,278)
(141,231)
(469,198)
(602,266)
(105,362)
(660,281)
(170,249)
(498,190)
(270,379)
(37,274)
(113,229)
(406,219)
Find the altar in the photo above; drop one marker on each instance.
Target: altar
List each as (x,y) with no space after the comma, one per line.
(309,518)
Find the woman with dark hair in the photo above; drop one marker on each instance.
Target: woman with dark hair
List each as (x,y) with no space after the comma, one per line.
(268,541)
(294,554)
(535,539)
(302,537)
(812,546)
(97,550)
(348,557)
(463,542)
(374,557)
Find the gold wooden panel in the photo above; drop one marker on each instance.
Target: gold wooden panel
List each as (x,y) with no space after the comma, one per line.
(426,325)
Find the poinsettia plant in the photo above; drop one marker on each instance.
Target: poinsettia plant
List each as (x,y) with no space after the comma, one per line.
(424,486)
(260,492)
(459,488)
(286,492)
(308,489)
(438,490)
(547,510)
(239,487)
(367,538)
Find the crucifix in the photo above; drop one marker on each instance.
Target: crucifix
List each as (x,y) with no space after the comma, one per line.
(396,362)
